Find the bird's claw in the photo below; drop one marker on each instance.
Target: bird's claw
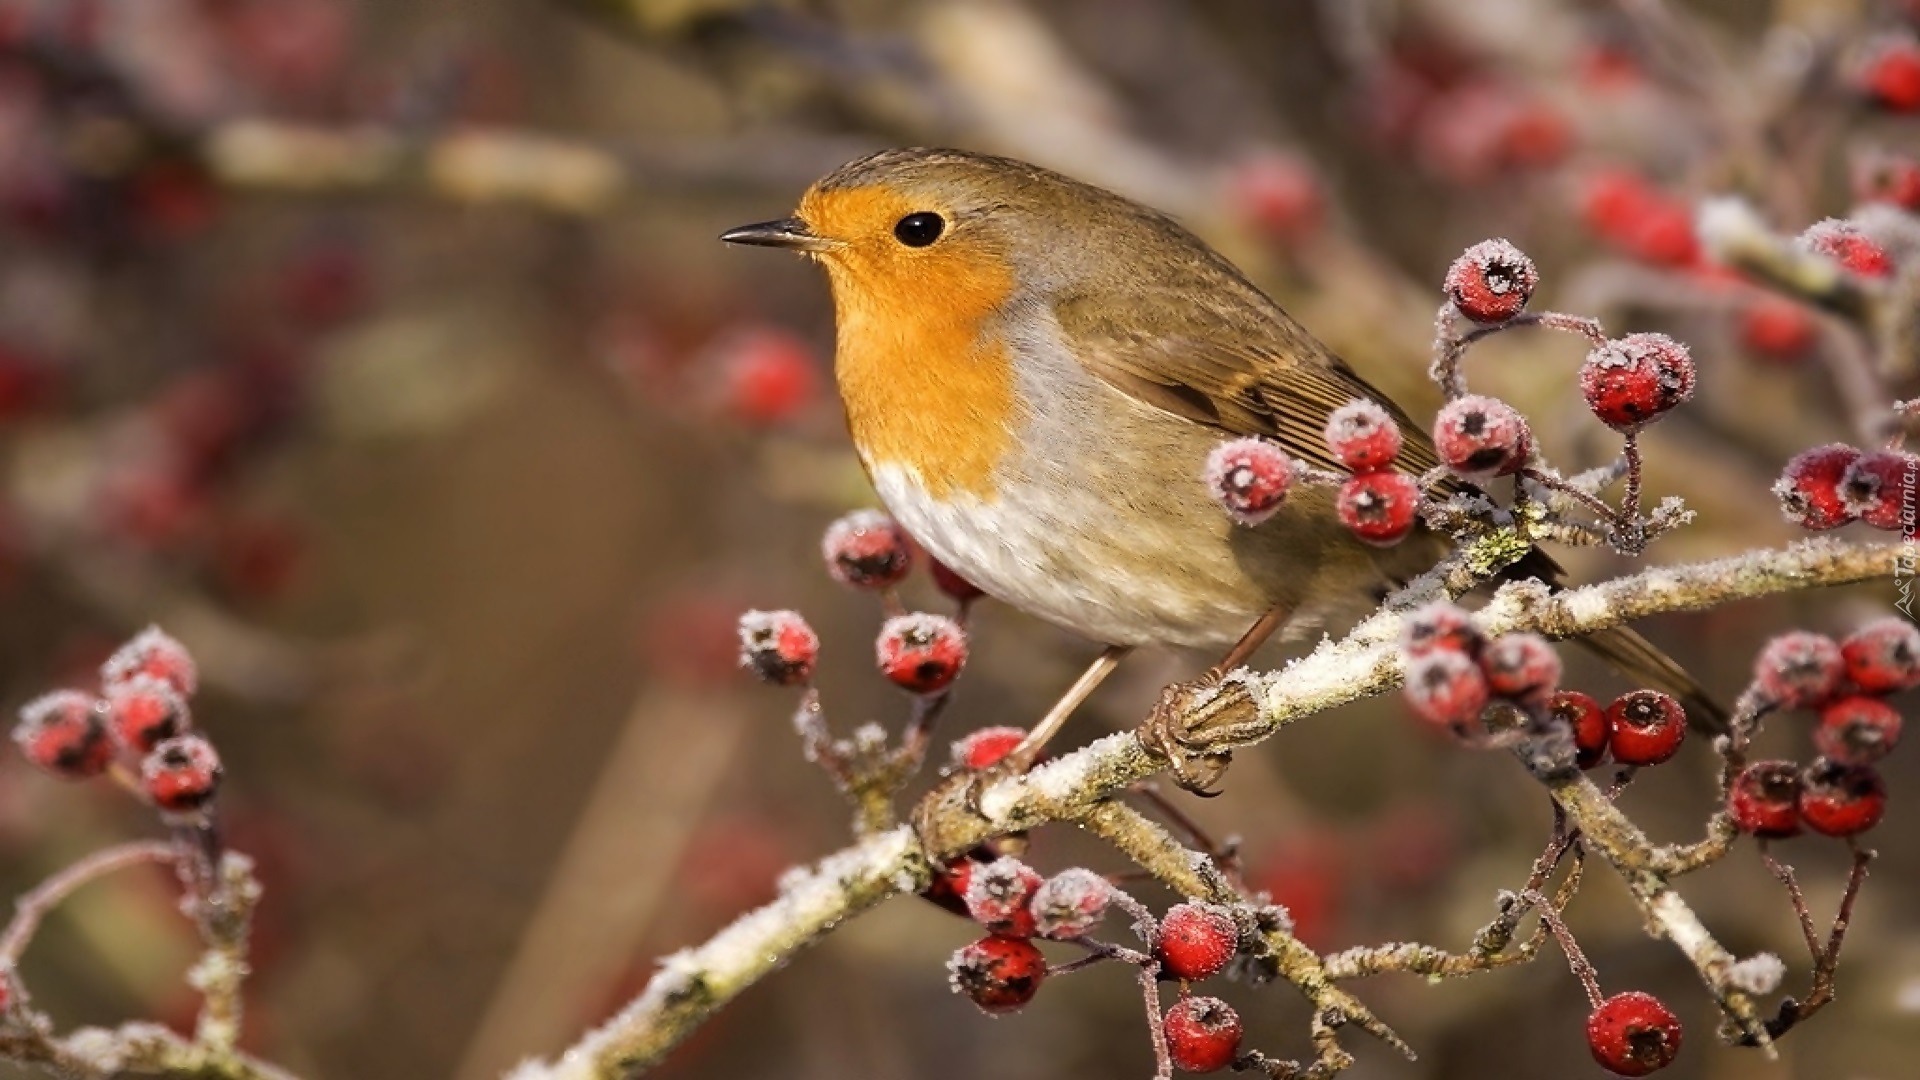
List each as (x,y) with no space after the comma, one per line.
(1191,721)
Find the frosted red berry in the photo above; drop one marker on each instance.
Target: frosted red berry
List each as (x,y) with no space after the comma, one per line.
(1380,508)
(1480,437)
(1648,727)
(181,775)
(778,647)
(153,652)
(1857,730)
(998,895)
(65,733)
(1633,1034)
(1845,243)
(143,710)
(867,550)
(1446,688)
(1631,381)
(1809,489)
(998,974)
(921,652)
(1438,626)
(1878,488)
(948,581)
(987,747)
(1196,940)
(1491,281)
(1890,75)
(1363,436)
(1799,669)
(1841,800)
(1883,657)
(1777,328)
(1203,1034)
(1587,720)
(1521,667)
(1765,799)
(948,888)
(1070,903)
(1249,478)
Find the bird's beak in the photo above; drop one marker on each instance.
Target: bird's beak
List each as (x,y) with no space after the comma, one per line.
(790,233)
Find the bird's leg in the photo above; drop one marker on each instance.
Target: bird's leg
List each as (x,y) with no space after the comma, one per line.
(1022,757)
(1206,704)
(1249,642)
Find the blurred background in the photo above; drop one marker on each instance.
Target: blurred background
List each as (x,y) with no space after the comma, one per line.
(385,355)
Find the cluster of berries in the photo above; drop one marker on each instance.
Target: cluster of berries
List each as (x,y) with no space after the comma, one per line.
(1834,485)
(1251,477)
(137,725)
(1846,683)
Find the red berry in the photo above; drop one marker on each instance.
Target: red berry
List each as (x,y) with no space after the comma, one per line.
(779,647)
(1765,799)
(143,710)
(766,377)
(1587,721)
(1196,940)
(1799,670)
(985,748)
(65,733)
(951,583)
(1777,328)
(1440,626)
(998,974)
(1491,281)
(1841,800)
(1632,381)
(1379,507)
(1633,1034)
(1522,667)
(1648,727)
(1279,194)
(867,550)
(1891,74)
(1639,219)
(1857,730)
(1203,1034)
(1878,488)
(1845,243)
(1363,436)
(1446,688)
(998,895)
(181,774)
(949,885)
(921,652)
(1809,489)
(1249,478)
(1480,437)
(1883,656)
(152,652)
(1888,178)
(1070,903)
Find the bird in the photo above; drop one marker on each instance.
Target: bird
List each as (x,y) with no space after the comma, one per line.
(1034,370)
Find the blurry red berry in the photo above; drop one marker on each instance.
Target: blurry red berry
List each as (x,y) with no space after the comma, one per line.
(1196,940)
(1279,195)
(951,583)
(985,748)
(921,652)
(778,647)
(1480,437)
(1844,243)
(1380,508)
(144,710)
(1765,799)
(1249,478)
(1777,328)
(998,974)
(1883,657)
(1639,219)
(1491,281)
(1878,488)
(766,377)
(1799,669)
(1203,1034)
(1888,178)
(999,896)
(1809,489)
(1891,74)
(182,774)
(1648,727)
(1631,381)
(1440,626)
(1841,800)
(65,733)
(1363,436)
(152,652)
(1070,903)
(1857,730)
(1446,688)
(1521,667)
(866,549)
(1633,1034)
(1588,722)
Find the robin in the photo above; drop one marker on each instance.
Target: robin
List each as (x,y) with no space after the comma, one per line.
(1034,370)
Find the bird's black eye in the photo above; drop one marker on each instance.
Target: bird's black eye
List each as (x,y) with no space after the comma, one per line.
(919,229)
